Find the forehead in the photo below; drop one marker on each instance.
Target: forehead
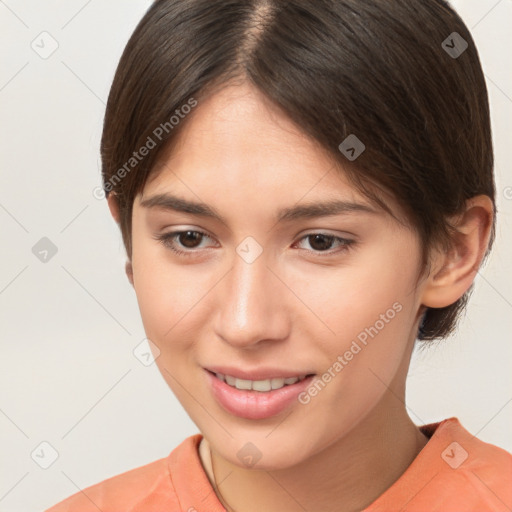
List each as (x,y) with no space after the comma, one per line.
(237,148)
(237,135)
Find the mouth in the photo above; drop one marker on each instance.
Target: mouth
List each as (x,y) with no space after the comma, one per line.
(263,385)
(256,399)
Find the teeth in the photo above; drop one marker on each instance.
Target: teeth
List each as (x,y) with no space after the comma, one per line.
(258,385)
(261,385)
(243,384)
(230,380)
(277,383)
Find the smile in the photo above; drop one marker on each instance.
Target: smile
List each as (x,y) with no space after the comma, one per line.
(258,385)
(256,399)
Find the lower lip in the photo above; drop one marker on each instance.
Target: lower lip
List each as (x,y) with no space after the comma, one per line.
(255,405)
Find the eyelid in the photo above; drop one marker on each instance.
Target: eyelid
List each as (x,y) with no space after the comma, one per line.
(345,243)
(174,231)
(166,239)
(163,237)
(326,232)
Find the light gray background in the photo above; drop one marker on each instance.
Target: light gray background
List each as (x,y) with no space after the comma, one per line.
(68,327)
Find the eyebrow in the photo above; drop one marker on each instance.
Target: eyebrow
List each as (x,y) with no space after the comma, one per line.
(302,211)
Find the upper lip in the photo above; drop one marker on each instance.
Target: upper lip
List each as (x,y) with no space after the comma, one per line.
(257,374)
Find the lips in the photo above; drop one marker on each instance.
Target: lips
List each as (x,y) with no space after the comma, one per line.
(258,385)
(251,404)
(259,373)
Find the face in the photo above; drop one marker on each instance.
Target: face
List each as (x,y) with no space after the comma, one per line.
(270,295)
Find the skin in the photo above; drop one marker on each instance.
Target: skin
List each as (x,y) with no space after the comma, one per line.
(293,306)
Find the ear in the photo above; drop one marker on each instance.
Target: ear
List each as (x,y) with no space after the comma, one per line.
(129,271)
(453,272)
(113,205)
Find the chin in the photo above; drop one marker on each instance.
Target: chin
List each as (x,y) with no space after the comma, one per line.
(262,453)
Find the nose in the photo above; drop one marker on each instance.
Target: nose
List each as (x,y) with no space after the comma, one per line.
(253,304)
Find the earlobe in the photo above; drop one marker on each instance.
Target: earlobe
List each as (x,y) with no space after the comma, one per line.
(129,271)
(453,271)
(113,205)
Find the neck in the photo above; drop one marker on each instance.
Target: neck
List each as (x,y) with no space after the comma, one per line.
(348,475)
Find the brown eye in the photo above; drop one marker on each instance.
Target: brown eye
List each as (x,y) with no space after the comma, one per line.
(184,243)
(188,239)
(322,243)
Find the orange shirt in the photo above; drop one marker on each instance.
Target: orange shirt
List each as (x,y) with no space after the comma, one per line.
(454,472)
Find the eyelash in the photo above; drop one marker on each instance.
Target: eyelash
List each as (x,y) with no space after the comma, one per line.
(167,240)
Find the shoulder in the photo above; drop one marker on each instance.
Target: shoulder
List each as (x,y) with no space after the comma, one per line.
(468,471)
(146,488)
(464,450)
(455,471)
(148,485)
(484,468)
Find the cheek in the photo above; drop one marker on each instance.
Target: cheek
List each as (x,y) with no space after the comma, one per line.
(164,293)
(370,314)
(369,309)
(174,300)
(170,301)
(350,299)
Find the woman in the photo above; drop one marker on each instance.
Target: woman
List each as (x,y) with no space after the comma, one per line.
(238,136)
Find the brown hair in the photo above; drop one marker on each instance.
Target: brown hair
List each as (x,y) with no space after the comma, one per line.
(373,68)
